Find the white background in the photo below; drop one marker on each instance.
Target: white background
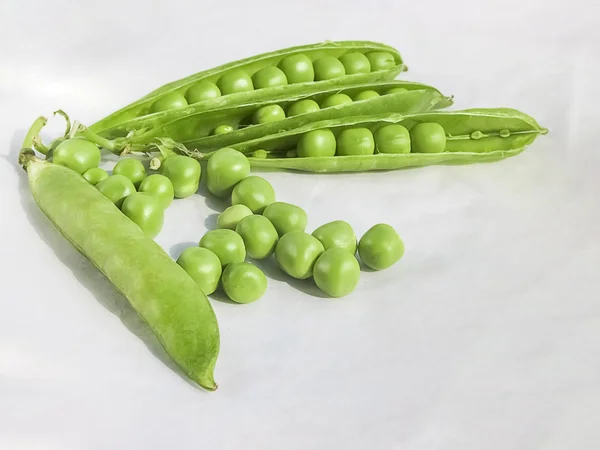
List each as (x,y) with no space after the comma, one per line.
(485,336)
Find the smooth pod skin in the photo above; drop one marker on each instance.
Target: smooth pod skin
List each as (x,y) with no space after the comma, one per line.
(355,141)
(168,300)
(254,192)
(203,90)
(328,67)
(184,173)
(297,68)
(336,100)
(170,101)
(234,82)
(392,139)
(77,154)
(286,217)
(366,95)
(296,253)
(428,138)
(95,175)
(337,234)
(380,247)
(269,76)
(203,266)
(244,282)
(270,113)
(232,216)
(303,107)
(226,168)
(223,129)
(146,211)
(116,188)
(226,244)
(381,60)
(355,62)
(132,169)
(317,143)
(259,235)
(336,272)
(159,186)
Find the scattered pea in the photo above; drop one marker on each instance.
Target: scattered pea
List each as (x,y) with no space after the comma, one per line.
(355,62)
(132,169)
(77,154)
(269,113)
(145,211)
(392,138)
(336,272)
(203,90)
(355,141)
(286,217)
(428,137)
(203,266)
(243,282)
(296,253)
(159,186)
(337,234)
(269,76)
(297,68)
(259,235)
(303,107)
(234,82)
(95,175)
(380,247)
(232,215)
(184,172)
(327,68)
(336,100)
(226,168)
(226,244)
(254,192)
(317,143)
(116,188)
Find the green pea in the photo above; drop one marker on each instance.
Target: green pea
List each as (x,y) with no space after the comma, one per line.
(396,90)
(303,107)
(428,137)
(260,153)
(232,216)
(355,141)
(317,143)
(269,113)
(132,169)
(226,244)
(297,68)
(203,90)
(226,168)
(286,217)
(336,100)
(223,129)
(336,272)
(254,192)
(234,82)
(244,282)
(337,234)
(296,253)
(380,247)
(327,68)
(392,139)
(145,211)
(95,175)
(184,172)
(116,188)
(365,95)
(381,61)
(203,266)
(159,186)
(355,62)
(259,235)
(173,100)
(269,76)
(77,154)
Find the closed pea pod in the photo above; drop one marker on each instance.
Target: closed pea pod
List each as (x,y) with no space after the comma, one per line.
(392,139)
(286,217)
(355,62)
(234,82)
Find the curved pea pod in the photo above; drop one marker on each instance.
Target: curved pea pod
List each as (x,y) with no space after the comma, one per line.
(159,290)
(252,65)
(472,136)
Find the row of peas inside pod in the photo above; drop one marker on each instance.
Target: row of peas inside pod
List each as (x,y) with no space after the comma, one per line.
(256,226)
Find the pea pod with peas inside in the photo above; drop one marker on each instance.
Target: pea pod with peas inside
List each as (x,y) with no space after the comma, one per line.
(279,73)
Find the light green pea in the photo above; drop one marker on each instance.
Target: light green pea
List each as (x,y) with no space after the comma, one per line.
(132,169)
(336,100)
(234,82)
(286,217)
(169,101)
(243,282)
(116,188)
(355,62)
(381,61)
(303,107)
(159,186)
(203,266)
(366,95)
(337,234)
(316,143)
(269,76)
(203,90)
(259,235)
(226,244)
(269,113)
(226,168)
(396,90)
(327,68)
(428,137)
(380,247)
(296,253)
(232,215)
(336,272)
(355,141)
(254,192)
(95,175)
(223,129)
(297,68)
(392,138)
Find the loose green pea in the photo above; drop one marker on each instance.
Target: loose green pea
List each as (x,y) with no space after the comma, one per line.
(159,186)
(95,175)
(132,169)
(336,100)
(297,68)
(244,282)
(428,137)
(337,234)
(173,100)
(269,76)
(254,192)
(355,141)
(296,253)
(381,61)
(327,68)
(232,216)
(317,143)
(303,107)
(365,95)
(336,272)
(226,244)
(355,62)
(184,172)
(392,139)
(234,82)
(77,154)
(226,168)
(145,211)
(116,188)
(259,235)
(380,247)
(203,90)
(203,266)
(396,90)
(286,217)
(269,113)
(223,129)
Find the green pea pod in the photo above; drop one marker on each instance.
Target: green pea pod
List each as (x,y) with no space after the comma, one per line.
(252,65)
(159,290)
(473,135)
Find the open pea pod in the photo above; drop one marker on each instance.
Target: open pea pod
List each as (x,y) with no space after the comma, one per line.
(280,73)
(471,136)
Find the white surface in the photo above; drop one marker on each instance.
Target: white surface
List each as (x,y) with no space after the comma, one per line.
(485,336)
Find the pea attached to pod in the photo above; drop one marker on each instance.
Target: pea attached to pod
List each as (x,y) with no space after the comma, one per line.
(355,62)
(366,95)
(223,129)
(336,100)
(381,61)
(203,90)
(355,141)
(317,143)
(235,81)
(328,67)
(173,100)
(269,76)
(303,107)
(267,114)
(298,68)
(428,137)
